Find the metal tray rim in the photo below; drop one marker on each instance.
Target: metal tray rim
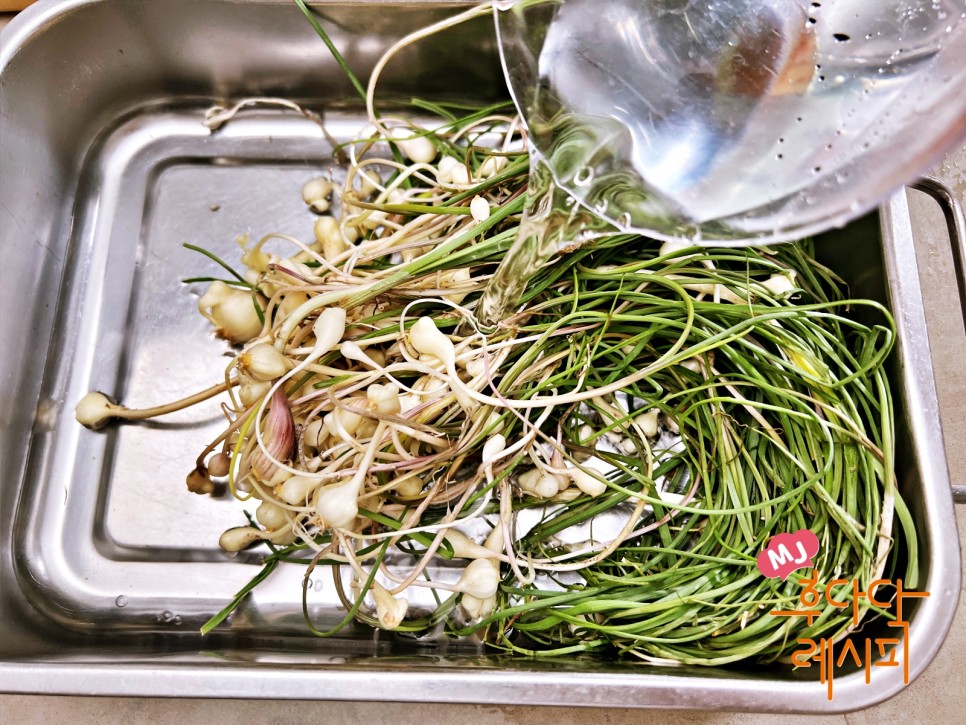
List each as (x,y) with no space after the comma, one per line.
(591,689)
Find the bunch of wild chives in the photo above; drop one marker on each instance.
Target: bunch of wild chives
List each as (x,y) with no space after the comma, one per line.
(606,463)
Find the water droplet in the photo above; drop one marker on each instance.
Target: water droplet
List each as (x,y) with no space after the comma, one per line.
(780,157)
(811,21)
(821,79)
(584,176)
(841,37)
(121,601)
(816,170)
(166,617)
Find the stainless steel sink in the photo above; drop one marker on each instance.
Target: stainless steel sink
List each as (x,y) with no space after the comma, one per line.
(108,566)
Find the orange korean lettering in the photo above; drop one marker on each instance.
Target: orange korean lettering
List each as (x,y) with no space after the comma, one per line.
(802,657)
(882,642)
(904,626)
(871,593)
(810,596)
(848,647)
(857,594)
(901,595)
(868,660)
(829,665)
(828,593)
(809,614)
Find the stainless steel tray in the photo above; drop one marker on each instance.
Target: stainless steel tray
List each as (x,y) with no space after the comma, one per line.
(108,566)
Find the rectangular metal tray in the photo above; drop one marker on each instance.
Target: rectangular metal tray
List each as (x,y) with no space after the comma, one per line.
(108,565)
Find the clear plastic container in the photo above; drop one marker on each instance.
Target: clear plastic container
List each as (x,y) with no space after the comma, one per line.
(736,121)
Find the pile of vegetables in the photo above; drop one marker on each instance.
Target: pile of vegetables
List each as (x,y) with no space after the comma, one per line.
(597,471)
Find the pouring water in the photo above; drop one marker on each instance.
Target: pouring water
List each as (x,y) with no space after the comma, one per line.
(726,122)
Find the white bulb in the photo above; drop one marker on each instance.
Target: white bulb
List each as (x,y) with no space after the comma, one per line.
(94,410)
(338,506)
(270,516)
(316,191)
(313,434)
(329,329)
(480,579)
(427,339)
(232,312)
(477,608)
(673,245)
(239,537)
(780,285)
(390,610)
(648,422)
(445,169)
(541,484)
(295,490)
(492,166)
(418,149)
(480,208)
(384,398)
(464,547)
(587,483)
(493,447)
(252,393)
(262,363)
